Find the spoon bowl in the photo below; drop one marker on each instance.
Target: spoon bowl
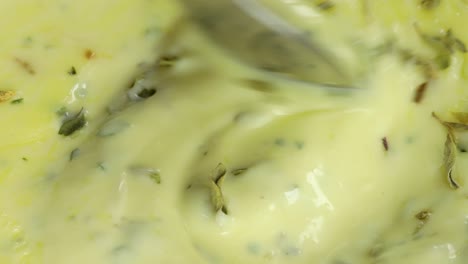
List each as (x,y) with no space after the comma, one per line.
(256,35)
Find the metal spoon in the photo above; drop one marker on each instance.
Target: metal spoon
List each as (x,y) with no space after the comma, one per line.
(256,35)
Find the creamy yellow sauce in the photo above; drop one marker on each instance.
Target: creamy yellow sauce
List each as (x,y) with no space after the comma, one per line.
(222,164)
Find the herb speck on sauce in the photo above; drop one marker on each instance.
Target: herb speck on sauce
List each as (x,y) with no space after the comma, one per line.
(451,126)
(25,65)
(429,4)
(449,160)
(461,148)
(27,41)
(102,166)
(450,150)
(280,142)
(239,171)
(443,44)
(462,117)
(17,101)
(443,61)
(73,124)
(120,249)
(299,144)
(426,66)
(147,93)
(326,5)
(156,177)
(385,144)
(167,61)
(72,71)
(217,198)
(420,92)
(259,85)
(151,173)
(422,217)
(140,90)
(376,251)
(89,54)
(219,172)
(6,95)
(25,159)
(74,154)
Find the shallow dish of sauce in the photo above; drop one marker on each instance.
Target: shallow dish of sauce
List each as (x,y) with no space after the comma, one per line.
(128,137)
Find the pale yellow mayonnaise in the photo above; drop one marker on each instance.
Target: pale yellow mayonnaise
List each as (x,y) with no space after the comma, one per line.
(214,163)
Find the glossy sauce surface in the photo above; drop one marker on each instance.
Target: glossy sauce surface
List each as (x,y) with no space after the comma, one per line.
(170,152)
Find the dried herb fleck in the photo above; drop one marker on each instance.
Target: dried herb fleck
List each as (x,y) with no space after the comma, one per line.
(219,172)
(442,60)
(259,85)
(422,217)
(451,126)
(427,67)
(445,42)
(140,90)
(239,171)
(153,174)
(6,95)
(459,45)
(325,5)
(420,92)
(429,4)
(89,54)
(456,126)
(385,143)
(444,45)
(73,124)
(462,117)
(74,154)
(25,66)
(280,142)
(450,150)
(72,71)
(449,160)
(167,61)
(299,144)
(17,101)
(146,93)
(102,166)
(28,41)
(217,198)
(156,177)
